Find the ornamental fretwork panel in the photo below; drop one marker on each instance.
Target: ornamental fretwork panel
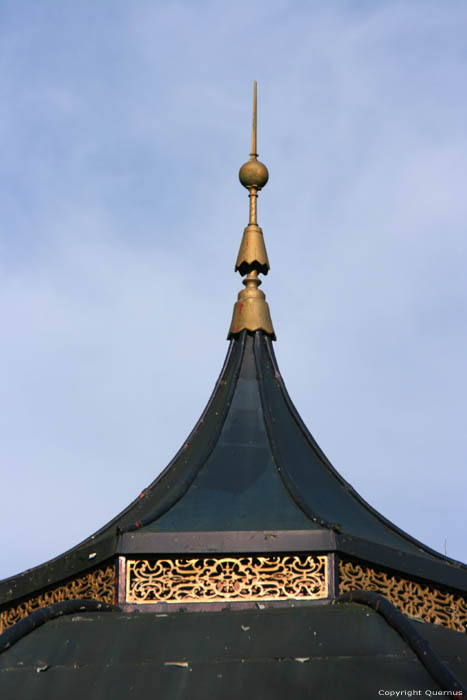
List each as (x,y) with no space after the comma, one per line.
(204,579)
(98,585)
(416,600)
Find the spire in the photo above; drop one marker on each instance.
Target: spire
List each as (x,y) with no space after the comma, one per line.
(251,311)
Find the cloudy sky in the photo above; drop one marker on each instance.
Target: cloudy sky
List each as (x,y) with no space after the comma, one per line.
(122,128)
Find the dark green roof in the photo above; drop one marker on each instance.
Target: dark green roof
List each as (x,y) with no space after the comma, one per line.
(250,466)
(333,651)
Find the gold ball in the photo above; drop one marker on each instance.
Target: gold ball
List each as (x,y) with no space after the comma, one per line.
(253,173)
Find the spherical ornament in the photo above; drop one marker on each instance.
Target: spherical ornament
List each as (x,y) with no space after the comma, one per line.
(253,173)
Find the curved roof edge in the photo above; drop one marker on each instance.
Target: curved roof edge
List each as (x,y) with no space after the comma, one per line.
(102,544)
(326,462)
(347,523)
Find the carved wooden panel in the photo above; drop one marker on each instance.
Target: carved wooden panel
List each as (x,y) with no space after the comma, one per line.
(226,579)
(98,585)
(416,600)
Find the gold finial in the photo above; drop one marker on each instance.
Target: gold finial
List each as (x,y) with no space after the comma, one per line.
(253,174)
(253,153)
(251,311)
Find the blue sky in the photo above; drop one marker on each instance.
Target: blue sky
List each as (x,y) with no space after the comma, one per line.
(122,129)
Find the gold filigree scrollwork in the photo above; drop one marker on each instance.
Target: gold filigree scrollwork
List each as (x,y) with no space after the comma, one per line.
(226,579)
(98,585)
(416,600)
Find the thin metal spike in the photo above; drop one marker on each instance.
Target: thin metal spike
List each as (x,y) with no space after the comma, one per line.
(253,153)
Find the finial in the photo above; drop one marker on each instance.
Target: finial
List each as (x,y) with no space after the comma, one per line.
(251,311)
(253,174)
(253,153)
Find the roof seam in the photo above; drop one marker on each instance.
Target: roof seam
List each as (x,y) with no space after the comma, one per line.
(163,508)
(285,477)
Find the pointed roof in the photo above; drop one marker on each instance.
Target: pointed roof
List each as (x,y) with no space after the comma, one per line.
(251,519)
(250,477)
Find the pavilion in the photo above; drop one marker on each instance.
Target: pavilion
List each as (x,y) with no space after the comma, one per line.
(248,569)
